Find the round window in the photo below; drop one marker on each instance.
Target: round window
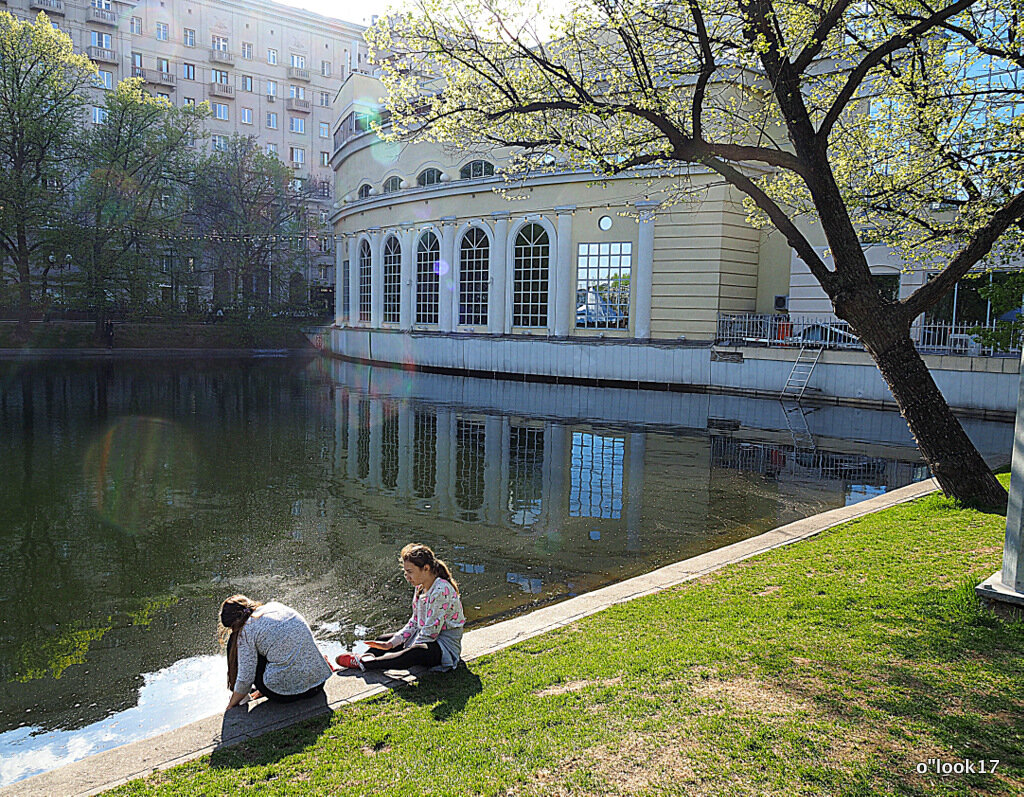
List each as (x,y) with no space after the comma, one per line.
(605,223)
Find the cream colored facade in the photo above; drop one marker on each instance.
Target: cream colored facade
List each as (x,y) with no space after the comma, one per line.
(685,264)
(268,70)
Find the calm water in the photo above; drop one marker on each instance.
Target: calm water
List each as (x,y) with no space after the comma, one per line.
(134,497)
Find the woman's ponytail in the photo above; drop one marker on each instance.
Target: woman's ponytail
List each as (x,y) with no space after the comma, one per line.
(233,614)
(422,556)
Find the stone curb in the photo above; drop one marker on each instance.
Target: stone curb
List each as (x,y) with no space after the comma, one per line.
(106,770)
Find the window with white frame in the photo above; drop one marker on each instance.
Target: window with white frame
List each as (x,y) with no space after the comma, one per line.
(392,279)
(597,476)
(163,31)
(271,56)
(297,124)
(220,143)
(298,154)
(136,26)
(189,37)
(325,68)
(100,39)
(247,50)
(392,184)
(365,301)
(325,130)
(99,115)
(297,92)
(247,83)
(364,190)
(219,76)
(476,169)
(272,149)
(105,79)
(246,116)
(220,43)
(325,158)
(220,111)
(325,99)
(603,273)
(163,65)
(428,255)
(188,71)
(272,120)
(271,88)
(298,61)
(430,176)
(531,259)
(474,272)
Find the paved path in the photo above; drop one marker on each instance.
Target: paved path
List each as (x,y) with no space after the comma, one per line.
(106,770)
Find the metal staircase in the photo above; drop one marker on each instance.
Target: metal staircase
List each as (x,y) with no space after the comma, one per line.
(800,375)
(796,420)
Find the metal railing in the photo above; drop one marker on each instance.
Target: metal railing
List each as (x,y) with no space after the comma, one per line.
(827,331)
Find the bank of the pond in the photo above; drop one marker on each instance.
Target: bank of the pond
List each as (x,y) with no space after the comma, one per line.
(857,662)
(78,338)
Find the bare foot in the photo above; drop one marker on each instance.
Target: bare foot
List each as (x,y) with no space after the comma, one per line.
(255,694)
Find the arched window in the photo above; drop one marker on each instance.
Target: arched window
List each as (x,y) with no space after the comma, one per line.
(392,184)
(428,256)
(429,176)
(364,281)
(531,256)
(476,169)
(364,190)
(474,260)
(392,280)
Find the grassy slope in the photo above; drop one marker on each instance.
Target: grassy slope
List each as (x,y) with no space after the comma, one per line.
(829,667)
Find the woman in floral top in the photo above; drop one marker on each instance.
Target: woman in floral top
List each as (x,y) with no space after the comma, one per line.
(433,635)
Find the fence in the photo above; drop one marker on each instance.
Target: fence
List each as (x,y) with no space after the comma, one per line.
(776,330)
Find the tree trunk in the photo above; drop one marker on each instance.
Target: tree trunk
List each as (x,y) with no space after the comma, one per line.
(954,461)
(24,279)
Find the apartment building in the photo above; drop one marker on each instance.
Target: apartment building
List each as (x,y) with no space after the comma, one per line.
(268,70)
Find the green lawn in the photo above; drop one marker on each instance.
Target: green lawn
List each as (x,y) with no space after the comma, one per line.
(829,667)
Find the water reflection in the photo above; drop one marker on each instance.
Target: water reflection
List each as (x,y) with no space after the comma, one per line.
(136,497)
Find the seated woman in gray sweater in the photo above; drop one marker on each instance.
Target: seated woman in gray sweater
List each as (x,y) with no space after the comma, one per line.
(433,635)
(271,647)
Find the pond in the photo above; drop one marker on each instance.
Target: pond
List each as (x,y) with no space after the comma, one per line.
(136,496)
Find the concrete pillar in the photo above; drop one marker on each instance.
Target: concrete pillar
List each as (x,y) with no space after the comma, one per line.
(446,281)
(340,311)
(376,278)
(376,440)
(353,281)
(1013,549)
(643,268)
(637,448)
(404,448)
(406,309)
(353,437)
(561,276)
(497,299)
(557,453)
(445,450)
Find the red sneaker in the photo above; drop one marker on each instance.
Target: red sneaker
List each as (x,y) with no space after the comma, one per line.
(348,661)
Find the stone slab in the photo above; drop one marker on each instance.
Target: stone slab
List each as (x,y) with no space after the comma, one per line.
(993,589)
(111,768)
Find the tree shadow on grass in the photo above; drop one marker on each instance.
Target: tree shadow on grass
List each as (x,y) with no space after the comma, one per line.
(446,693)
(283,730)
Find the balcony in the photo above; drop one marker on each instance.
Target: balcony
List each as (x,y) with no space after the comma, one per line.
(295,104)
(101,15)
(222,57)
(101,54)
(298,73)
(159,78)
(222,90)
(50,6)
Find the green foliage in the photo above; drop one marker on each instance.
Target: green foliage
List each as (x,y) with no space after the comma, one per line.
(42,92)
(49,655)
(1005,295)
(133,175)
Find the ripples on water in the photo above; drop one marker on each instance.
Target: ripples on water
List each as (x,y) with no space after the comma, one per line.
(137,496)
